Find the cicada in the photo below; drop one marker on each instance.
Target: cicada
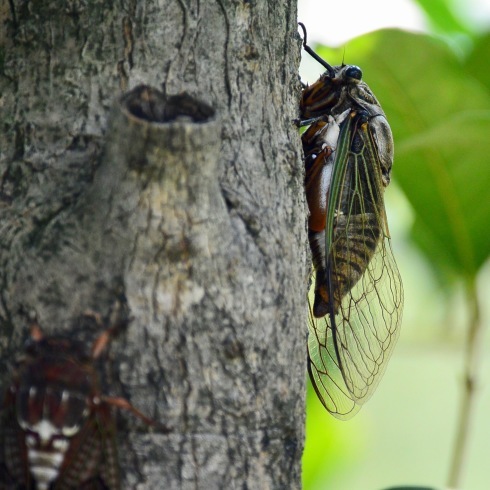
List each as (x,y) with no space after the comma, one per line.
(356,309)
(57,428)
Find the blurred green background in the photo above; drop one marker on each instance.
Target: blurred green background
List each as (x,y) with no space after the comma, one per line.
(434,86)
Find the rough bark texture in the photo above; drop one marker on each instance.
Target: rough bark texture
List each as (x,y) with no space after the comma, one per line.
(198,227)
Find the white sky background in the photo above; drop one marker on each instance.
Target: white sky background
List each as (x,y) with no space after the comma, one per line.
(333,22)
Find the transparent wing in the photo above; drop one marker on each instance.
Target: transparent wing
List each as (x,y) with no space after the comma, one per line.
(348,352)
(350,346)
(367,325)
(325,372)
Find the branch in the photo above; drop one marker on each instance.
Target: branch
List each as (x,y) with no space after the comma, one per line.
(473,351)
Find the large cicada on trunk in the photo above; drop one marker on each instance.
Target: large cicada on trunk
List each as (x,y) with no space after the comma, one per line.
(57,428)
(356,310)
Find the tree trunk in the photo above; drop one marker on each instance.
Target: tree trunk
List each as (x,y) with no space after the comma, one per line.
(194,224)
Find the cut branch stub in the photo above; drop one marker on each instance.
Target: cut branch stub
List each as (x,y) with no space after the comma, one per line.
(153,201)
(158,183)
(153,106)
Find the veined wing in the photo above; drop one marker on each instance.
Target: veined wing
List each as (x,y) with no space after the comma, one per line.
(359,289)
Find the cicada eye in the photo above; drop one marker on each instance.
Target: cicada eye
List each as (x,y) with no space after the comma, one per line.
(354,71)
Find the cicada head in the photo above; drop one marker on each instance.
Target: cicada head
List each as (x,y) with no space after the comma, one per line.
(335,91)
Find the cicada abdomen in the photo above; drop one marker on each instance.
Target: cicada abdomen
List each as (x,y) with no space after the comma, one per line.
(358,296)
(57,428)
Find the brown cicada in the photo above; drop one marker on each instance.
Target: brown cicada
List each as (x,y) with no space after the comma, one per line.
(57,428)
(357,302)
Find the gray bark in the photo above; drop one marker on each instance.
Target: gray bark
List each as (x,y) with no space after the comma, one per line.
(197,227)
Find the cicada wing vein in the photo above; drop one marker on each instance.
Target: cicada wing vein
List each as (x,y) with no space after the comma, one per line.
(367,325)
(349,347)
(325,372)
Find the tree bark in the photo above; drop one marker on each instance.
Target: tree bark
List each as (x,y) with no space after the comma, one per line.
(195,225)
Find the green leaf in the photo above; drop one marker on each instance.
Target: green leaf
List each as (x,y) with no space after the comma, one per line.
(442,16)
(477,61)
(440,116)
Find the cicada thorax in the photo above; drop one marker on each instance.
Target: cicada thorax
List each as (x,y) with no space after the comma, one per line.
(57,428)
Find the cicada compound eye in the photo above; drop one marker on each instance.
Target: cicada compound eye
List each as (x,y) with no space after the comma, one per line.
(354,71)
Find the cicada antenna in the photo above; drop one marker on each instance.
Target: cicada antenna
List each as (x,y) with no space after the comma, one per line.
(312,53)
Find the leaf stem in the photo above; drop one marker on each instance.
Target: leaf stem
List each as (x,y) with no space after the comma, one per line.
(475,331)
